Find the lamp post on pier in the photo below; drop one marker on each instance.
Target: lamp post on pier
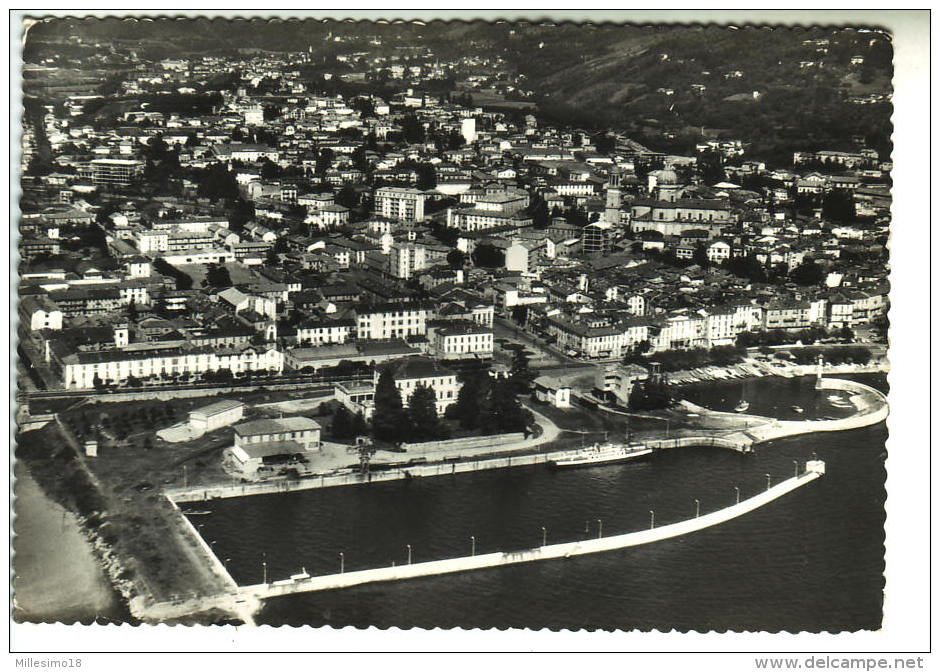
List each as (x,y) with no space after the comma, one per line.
(737,495)
(342,563)
(697,505)
(473,545)
(544,536)
(409,553)
(768,480)
(264,568)
(796,469)
(600,528)
(652,520)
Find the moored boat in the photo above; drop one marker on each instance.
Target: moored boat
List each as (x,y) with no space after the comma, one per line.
(604,453)
(742,406)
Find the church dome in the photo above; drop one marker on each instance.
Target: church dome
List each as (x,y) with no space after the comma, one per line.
(665,177)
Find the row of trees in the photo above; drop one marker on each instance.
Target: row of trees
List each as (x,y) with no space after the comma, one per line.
(856,354)
(750,339)
(682,360)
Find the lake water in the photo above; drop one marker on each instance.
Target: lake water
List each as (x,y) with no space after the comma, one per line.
(57,578)
(812,560)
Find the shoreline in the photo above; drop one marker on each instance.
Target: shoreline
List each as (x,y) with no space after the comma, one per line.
(43,575)
(65,478)
(756,430)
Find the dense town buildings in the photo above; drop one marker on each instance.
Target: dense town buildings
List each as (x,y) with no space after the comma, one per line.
(288,226)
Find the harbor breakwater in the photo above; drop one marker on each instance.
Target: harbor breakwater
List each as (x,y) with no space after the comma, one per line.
(871,407)
(813,470)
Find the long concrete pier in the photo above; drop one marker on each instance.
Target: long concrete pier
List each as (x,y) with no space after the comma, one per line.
(814,469)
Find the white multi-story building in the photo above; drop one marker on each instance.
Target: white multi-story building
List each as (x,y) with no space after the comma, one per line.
(468,129)
(400,203)
(462,338)
(410,372)
(598,341)
(39,312)
(391,320)
(681,332)
(405,259)
(323,331)
(253,115)
(721,326)
(718,252)
(523,255)
(80,369)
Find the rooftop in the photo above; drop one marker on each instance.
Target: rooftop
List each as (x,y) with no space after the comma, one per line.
(276,426)
(218,407)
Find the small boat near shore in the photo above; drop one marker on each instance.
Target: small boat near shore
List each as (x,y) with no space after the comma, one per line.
(796,409)
(600,453)
(742,406)
(196,513)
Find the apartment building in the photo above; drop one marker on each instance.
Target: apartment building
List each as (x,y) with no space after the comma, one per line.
(410,372)
(455,339)
(391,320)
(406,258)
(400,203)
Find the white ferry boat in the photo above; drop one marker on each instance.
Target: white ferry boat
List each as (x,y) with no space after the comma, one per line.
(600,453)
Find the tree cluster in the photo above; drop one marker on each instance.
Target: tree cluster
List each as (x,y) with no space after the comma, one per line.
(650,395)
(183,280)
(218,276)
(489,406)
(486,255)
(347,425)
(394,423)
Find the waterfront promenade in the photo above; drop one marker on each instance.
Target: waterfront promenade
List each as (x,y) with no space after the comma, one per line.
(813,470)
(741,434)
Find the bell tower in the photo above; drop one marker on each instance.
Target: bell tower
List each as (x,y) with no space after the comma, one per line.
(612,206)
